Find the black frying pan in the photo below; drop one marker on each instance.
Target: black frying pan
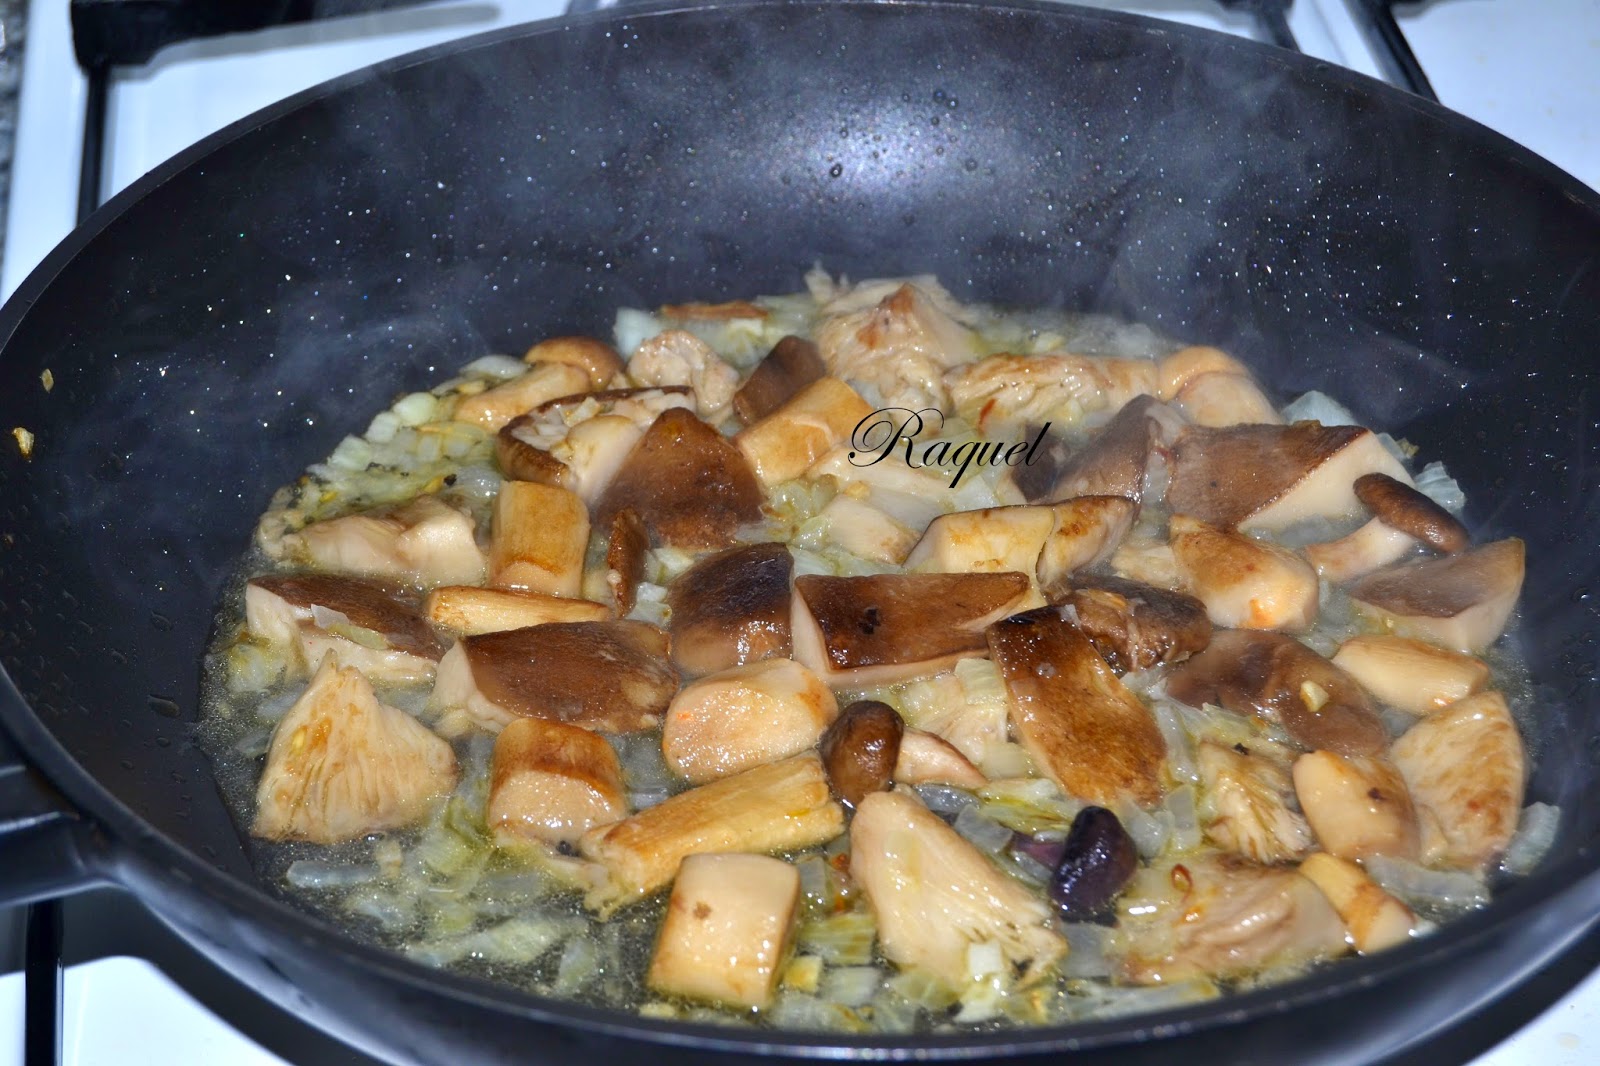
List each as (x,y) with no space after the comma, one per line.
(223,322)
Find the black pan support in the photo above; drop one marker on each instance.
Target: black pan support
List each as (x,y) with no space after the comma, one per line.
(205,331)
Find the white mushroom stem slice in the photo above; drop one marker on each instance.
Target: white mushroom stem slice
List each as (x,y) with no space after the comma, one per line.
(597,359)
(782,806)
(1375,919)
(1271,477)
(1082,727)
(1218,399)
(727,930)
(425,542)
(1184,365)
(343,765)
(1409,674)
(1143,558)
(1372,545)
(678,357)
(1249,800)
(1466,770)
(743,717)
(538,539)
(1461,602)
(550,782)
(927,759)
(1048,541)
(469,610)
(936,897)
(1220,916)
(494,407)
(1001,393)
(608,676)
(856,632)
(784,443)
(1088,530)
(1358,806)
(862,529)
(1244,583)
(900,348)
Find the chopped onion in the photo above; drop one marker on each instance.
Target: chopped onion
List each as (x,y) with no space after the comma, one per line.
(989,837)
(416,409)
(1089,950)
(634,327)
(850,986)
(1150,832)
(1535,834)
(945,799)
(1422,887)
(1180,756)
(841,939)
(1180,806)
(499,367)
(309,873)
(1436,484)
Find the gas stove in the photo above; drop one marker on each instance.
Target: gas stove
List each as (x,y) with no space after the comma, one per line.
(131,992)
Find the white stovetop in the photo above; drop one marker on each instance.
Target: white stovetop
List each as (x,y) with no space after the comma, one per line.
(1530,71)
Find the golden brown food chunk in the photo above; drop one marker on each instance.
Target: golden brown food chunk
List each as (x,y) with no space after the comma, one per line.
(538,539)
(1244,583)
(424,542)
(1376,920)
(785,443)
(1410,674)
(1132,625)
(1083,729)
(743,717)
(551,782)
(595,358)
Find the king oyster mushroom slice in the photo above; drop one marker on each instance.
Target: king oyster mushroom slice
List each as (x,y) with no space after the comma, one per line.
(1375,919)
(1113,463)
(612,677)
(1370,546)
(1134,626)
(579,442)
(936,897)
(1245,583)
(1231,917)
(856,632)
(549,783)
(1082,728)
(625,553)
(1466,769)
(899,348)
(1250,800)
(424,542)
(1278,679)
(678,357)
(1461,602)
(780,806)
(1049,541)
(363,624)
(744,717)
(1358,807)
(929,759)
(1271,477)
(1411,675)
(343,765)
(688,483)
(821,416)
(537,539)
(594,357)
(494,407)
(791,365)
(731,608)
(468,610)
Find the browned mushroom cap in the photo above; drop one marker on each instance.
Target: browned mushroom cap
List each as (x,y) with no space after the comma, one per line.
(1279,679)
(691,487)
(731,608)
(1402,507)
(366,604)
(1135,626)
(1269,477)
(858,631)
(1114,462)
(625,559)
(793,363)
(612,677)
(1081,726)
(596,358)
(521,461)
(1461,601)
(860,749)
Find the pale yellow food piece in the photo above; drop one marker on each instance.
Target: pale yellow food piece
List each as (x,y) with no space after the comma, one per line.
(494,407)
(1358,807)
(1410,674)
(1244,583)
(727,927)
(782,806)
(678,357)
(468,609)
(818,418)
(1375,919)
(1184,365)
(743,717)
(1249,798)
(1224,399)
(935,896)
(343,765)
(426,542)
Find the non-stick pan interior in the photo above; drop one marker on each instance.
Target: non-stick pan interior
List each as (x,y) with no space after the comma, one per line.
(232,319)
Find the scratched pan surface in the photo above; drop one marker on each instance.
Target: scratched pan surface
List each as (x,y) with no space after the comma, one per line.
(226,320)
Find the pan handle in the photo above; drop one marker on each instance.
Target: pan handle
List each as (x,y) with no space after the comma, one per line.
(44,842)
